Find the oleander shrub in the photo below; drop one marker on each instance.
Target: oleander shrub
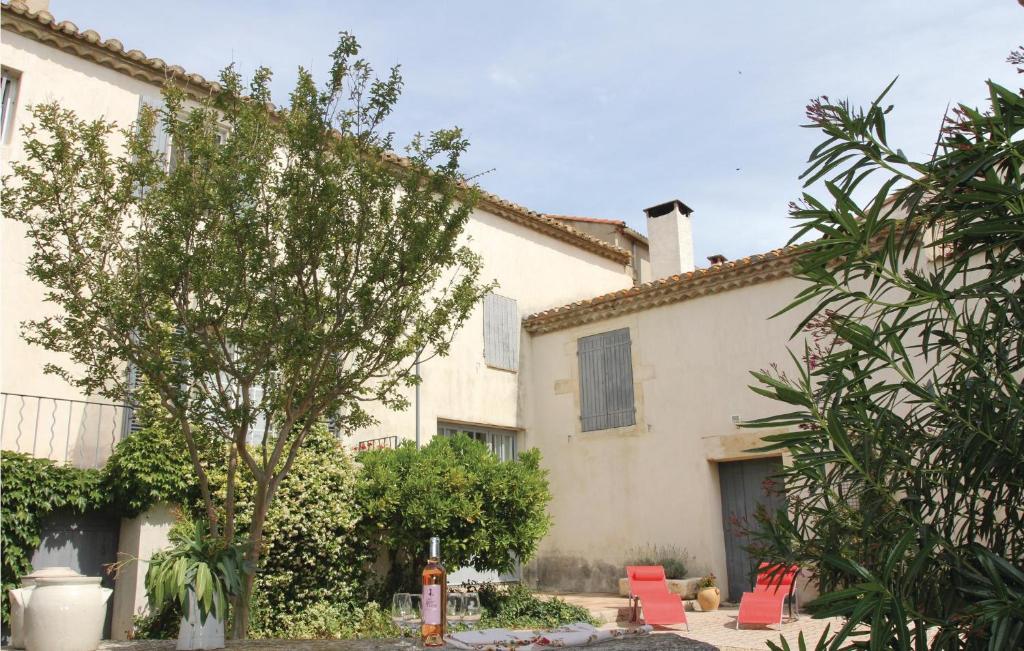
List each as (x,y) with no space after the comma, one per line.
(902,419)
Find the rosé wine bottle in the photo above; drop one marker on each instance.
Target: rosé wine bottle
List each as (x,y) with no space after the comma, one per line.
(435,597)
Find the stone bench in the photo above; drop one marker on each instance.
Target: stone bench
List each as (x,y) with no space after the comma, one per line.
(686,588)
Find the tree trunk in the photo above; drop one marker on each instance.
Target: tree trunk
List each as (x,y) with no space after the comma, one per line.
(240,627)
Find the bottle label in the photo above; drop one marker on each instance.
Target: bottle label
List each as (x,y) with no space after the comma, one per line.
(432,605)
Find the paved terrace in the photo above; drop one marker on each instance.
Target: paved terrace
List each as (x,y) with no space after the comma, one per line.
(715,630)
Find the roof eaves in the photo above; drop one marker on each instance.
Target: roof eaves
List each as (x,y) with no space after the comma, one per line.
(701,282)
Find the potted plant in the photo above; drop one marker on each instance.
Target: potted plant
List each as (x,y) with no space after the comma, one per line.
(199,574)
(708,594)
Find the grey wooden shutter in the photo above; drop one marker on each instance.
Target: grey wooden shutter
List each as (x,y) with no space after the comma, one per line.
(131,421)
(161,140)
(501,332)
(606,380)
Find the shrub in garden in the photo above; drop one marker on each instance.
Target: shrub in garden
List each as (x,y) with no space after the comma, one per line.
(322,620)
(514,606)
(313,555)
(672,558)
(486,511)
(902,423)
(152,465)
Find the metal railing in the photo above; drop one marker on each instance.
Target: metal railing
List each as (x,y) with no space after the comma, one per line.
(382,443)
(76,432)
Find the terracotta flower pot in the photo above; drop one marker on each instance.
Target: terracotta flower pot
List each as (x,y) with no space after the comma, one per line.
(709,598)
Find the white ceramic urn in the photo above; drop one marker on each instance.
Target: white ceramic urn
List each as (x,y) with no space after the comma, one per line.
(66,614)
(19,598)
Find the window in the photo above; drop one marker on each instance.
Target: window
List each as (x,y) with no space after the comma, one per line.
(161,140)
(501,332)
(606,380)
(175,155)
(11,81)
(501,441)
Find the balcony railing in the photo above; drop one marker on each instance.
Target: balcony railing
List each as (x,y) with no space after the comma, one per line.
(76,432)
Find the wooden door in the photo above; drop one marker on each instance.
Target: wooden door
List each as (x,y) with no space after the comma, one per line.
(745,484)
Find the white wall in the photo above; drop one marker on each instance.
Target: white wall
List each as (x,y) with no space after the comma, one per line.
(140,538)
(82,434)
(539,272)
(656,482)
(91,90)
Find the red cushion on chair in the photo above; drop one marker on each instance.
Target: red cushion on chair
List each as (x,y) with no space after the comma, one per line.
(647,573)
(663,609)
(775,579)
(760,608)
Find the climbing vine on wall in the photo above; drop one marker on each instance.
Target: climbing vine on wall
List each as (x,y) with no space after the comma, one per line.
(31,489)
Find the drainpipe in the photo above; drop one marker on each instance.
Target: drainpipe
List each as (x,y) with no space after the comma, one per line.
(420,378)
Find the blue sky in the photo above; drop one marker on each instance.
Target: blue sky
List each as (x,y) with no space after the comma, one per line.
(604,108)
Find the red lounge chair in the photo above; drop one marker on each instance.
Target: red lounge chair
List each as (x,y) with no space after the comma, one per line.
(764,605)
(649,591)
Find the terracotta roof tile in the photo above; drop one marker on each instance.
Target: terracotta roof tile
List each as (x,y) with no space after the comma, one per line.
(592,220)
(88,44)
(700,282)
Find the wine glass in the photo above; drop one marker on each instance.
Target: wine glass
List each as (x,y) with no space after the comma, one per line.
(455,606)
(401,609)
(472,608)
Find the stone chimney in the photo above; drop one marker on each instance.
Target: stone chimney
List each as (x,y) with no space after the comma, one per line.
(671,238)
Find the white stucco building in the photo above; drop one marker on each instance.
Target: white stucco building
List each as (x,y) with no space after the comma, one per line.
(607,350)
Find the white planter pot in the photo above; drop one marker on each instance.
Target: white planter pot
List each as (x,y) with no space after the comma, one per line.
(65,614)
(194,635)
(20,597)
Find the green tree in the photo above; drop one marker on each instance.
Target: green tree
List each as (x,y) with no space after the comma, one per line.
(277,266)
(487,512)
(906,427)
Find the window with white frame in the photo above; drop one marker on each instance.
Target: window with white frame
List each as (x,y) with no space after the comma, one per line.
(606,380)
(502,442)
(501,332)
(9,94)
